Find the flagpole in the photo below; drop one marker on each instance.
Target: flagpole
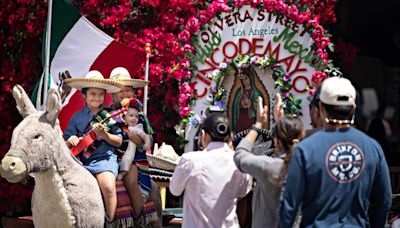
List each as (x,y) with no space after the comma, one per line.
(39,93)
(146,77)
(47,51)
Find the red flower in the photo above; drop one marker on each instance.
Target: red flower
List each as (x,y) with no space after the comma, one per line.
(184,111)
(187,48)
(184,36)
(318,77)
(293,12)
(254,3)
(151,3)
(193,25)
(270,5)
(282,8)
(203,17)
(185,88)
(169,21)
(302,17)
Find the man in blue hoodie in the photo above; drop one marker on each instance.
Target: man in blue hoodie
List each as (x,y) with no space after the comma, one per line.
(338,176)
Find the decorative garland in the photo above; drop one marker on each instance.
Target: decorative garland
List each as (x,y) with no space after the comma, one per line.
(282,81)
(218,95)
(299,12)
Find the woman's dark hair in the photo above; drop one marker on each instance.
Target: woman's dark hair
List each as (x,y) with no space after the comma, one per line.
(339,112)
(217,126)
(289,130)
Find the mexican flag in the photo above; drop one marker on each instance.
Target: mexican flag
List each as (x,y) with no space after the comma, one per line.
(76,47)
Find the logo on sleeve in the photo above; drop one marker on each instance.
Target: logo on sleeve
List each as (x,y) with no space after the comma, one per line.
(344,162)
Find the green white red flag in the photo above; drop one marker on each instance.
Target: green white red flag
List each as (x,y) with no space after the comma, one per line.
(76,47)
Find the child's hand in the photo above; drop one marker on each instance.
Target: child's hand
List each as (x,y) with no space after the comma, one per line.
(99,130)
(146,146)
(131,129)
(73,140)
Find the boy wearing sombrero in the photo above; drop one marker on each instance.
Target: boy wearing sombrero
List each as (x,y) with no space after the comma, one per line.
(137,181)
(100,157)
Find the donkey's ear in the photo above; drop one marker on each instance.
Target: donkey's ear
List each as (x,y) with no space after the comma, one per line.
(53,106)
(24,104)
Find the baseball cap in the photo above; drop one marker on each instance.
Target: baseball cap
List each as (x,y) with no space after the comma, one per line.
(337,91)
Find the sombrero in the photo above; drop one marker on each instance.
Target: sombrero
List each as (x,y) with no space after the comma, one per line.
(164,158)
(122,76)
(162,163)
(94,79)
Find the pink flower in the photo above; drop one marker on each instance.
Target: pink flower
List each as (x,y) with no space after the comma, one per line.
(184,111)
(312,91)
(270,5)
(293,12)
(185,63)
(184,36)
(282,7)
(302,17)
(183,97)
(203,17)
(318,77)
(212,10)
(193,25)
(187,48)
(317,34)
(255,3)
(324,42)
(30,27)
(169,21)
(238,3)
(185,88)
(153,3)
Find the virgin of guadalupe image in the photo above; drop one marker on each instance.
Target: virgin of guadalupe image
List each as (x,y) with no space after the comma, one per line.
(242,103)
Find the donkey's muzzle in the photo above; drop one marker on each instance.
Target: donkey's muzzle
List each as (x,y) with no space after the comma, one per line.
(13,169)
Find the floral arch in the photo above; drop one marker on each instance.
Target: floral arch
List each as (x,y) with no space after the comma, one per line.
(169,26)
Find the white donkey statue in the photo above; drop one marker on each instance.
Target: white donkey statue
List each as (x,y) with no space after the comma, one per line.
(65,193)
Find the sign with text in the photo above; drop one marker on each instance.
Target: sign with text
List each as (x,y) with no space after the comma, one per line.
(251,31)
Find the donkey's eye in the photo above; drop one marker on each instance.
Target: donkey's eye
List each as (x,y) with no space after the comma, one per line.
(37,137)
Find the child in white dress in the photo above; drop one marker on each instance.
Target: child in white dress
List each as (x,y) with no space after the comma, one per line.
(131,118)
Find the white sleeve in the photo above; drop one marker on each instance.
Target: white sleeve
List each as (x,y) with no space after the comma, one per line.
(181,176)
(246,185)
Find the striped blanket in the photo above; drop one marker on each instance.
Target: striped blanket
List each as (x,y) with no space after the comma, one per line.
(124,208)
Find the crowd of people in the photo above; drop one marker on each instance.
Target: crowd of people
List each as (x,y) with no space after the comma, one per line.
(332,176)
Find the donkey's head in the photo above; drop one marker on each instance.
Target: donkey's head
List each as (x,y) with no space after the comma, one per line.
(35,140)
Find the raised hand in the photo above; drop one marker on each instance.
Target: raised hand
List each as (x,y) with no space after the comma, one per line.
(262,114)
(278,107)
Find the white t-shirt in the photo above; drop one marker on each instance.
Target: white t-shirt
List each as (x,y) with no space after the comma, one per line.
(212,185)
